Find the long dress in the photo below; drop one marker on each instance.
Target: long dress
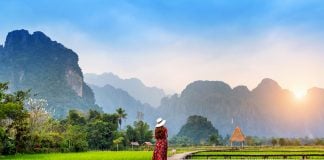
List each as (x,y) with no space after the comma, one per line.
(161,146)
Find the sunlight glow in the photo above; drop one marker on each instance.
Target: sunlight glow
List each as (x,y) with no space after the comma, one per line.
(300,94)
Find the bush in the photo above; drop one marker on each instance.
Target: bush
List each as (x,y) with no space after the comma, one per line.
(9,147)
(182,141)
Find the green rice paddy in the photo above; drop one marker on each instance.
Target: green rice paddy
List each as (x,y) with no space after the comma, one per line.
(262,153)
(204,153)
(93,155)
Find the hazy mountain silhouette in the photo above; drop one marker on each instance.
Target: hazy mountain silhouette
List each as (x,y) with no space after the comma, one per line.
(34,61)
(267,110)
(133,86)
(111,98)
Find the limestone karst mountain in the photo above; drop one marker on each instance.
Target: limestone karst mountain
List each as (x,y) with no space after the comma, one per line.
(267,110)
(50,70)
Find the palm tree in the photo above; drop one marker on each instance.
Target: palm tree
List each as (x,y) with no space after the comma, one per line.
(121,115)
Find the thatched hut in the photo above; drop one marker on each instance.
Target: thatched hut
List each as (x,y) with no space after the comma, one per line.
(148,145)
(237,136)
(134,144)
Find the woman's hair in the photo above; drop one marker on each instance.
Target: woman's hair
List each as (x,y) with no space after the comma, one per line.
(160,133)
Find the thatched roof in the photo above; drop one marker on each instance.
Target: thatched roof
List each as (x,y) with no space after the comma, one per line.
(147,143)
(237,135)
(134,144)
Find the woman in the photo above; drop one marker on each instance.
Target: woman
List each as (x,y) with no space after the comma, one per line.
(161,145)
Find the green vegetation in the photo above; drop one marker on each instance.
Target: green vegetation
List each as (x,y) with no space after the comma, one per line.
(26,127)
(13,129)
(181,141)
(121,115)
(94,155)
(139,133)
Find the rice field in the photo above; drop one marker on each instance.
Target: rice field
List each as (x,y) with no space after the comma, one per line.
(92,155)
(262,153)
(204,152)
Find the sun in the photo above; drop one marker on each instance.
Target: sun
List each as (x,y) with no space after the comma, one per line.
(300,94)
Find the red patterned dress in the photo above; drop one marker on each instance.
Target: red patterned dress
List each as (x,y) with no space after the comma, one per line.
(161,145)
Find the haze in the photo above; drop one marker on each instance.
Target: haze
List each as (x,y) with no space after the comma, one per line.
(169,44)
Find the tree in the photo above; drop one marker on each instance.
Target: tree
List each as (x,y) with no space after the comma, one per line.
(13,120)
(131,135)
(274,141)
(139,133)
(143,131)
(94,115)
(76,138)
(76,118)
(100,135)
(319,141)
(38,115)
(118,141)
(249,140)
(22,136)
(282,142)
(112,119)
(121,115)
(214,139)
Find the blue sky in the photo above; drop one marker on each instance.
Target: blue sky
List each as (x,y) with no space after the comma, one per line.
(170,43)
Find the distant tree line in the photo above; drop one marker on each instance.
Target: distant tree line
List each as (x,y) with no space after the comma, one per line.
(218,140)
(265,141)
(199,131)
(26,127)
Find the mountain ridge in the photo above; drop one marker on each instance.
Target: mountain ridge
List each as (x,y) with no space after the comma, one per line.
(111,98)
(263,111)
(134,86)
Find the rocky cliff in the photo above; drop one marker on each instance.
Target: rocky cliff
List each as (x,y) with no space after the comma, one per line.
(50,70)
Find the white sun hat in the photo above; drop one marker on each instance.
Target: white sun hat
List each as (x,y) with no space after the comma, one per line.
(160,122)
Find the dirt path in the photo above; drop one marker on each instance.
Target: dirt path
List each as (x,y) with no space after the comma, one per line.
(179,156)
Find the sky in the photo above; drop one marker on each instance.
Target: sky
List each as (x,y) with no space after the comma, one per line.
(171,43)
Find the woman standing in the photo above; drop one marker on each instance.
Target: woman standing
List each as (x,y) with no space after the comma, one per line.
(161,145)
